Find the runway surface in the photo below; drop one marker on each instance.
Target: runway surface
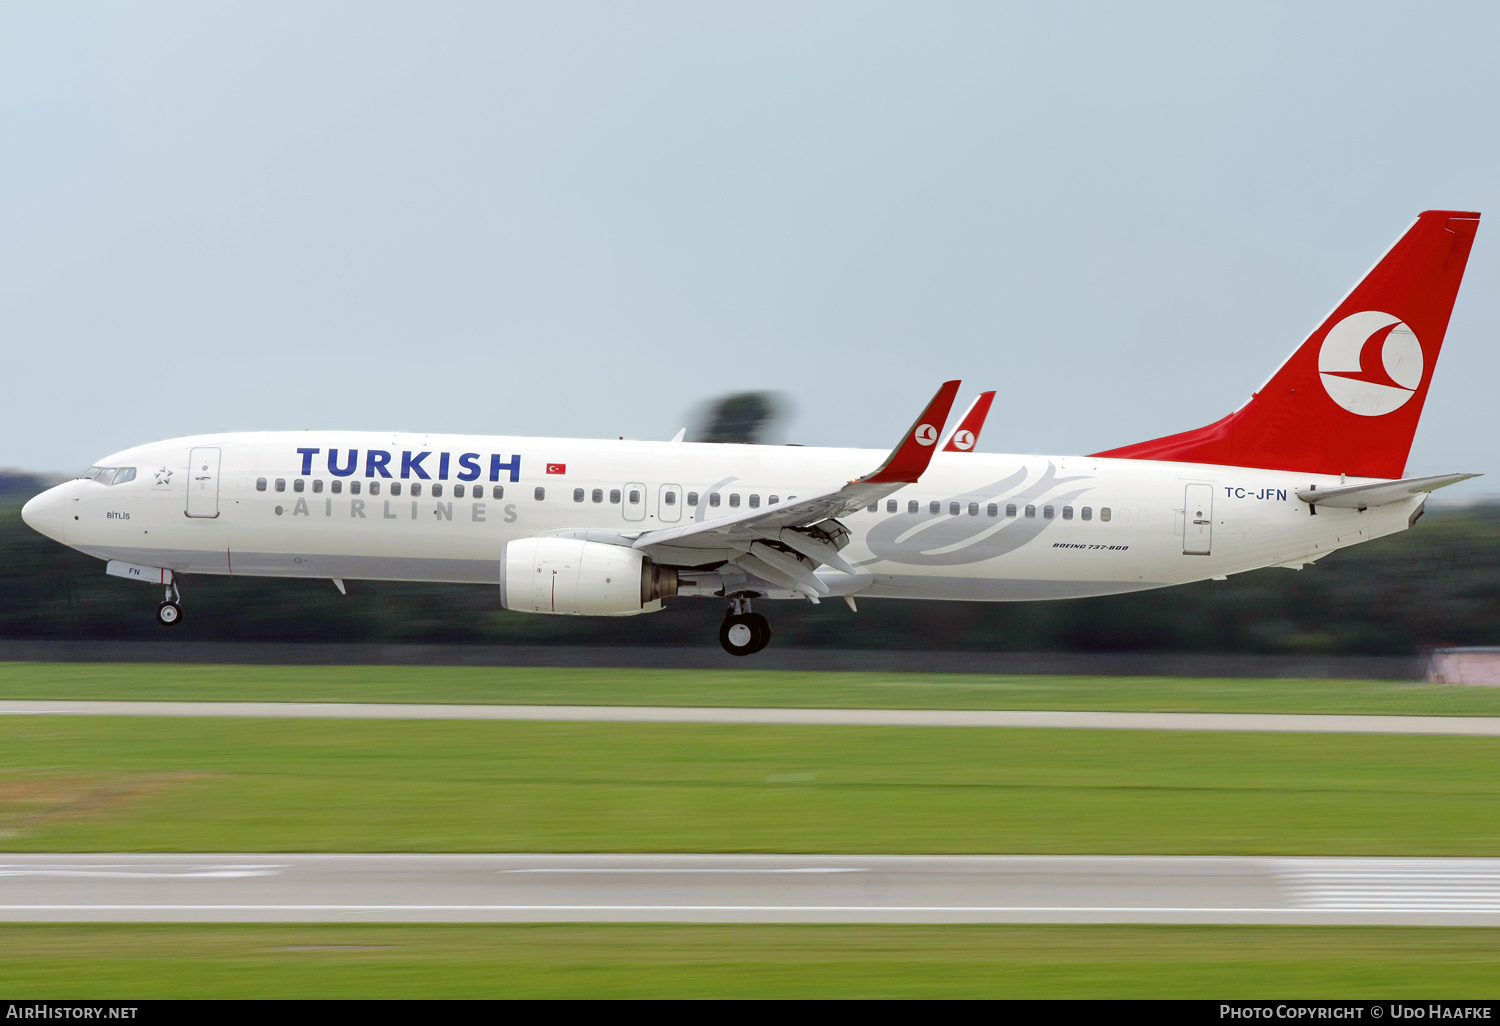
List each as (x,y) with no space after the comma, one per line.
(1480,726)
(732,888)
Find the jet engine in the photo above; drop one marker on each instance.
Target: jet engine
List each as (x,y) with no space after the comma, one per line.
(581,578)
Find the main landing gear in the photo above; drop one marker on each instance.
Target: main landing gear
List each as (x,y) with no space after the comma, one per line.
(743,633)
(169,613)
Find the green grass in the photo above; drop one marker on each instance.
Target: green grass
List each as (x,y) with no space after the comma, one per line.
(738,687)
(130,961)
(161,784)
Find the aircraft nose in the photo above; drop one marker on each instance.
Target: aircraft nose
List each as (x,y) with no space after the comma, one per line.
(46,514)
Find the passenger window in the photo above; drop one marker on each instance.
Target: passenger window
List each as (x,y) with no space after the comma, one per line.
(873,507)
(260,484)
(336,486)
(890,505)
(1104,513)
(1031,511)
(992,510)
(281,484)
(124,474)
(416,489)
(354,487)
(635,497)
(1067,512)
(734,500)
(540,494)
(773,500)
(1010,509)
(497,492)
(953,509)
(374,487)
(437,490)
(1087,513)
(395,488)
(671,499)
(913,506)
(598,495)
(1047,512)
(478,491)
(934,507)
(973,509)
(692,498)
(318,485)
(297,485)
(754,501)
(614,496)
(458,491)
(577,494)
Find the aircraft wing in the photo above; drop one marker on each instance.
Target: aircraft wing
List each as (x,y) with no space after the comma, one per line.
(1364,496)
(966,435)
(786,542)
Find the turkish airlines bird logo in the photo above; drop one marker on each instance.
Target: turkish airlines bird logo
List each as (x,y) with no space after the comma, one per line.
(963,440)
(925,434)
(1371,363)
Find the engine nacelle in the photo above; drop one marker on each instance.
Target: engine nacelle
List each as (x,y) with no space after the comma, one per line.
(581,578)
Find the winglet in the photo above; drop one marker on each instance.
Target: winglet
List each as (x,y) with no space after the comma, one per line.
(909,459)
(966,435)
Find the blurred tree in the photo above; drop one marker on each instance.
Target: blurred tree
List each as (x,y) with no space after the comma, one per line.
(743,417)
(1437,584)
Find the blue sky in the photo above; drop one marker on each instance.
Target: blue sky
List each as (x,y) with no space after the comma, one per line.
(583,219)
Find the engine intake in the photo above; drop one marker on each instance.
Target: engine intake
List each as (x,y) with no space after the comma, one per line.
(573,577)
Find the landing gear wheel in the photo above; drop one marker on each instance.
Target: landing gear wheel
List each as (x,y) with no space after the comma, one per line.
(744,634)
(169,614)
(762,628)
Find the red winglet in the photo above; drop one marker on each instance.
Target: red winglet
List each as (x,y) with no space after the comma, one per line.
(909,459)
(966,435)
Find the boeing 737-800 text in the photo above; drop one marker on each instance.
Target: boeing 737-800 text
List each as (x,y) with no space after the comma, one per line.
(1312,463)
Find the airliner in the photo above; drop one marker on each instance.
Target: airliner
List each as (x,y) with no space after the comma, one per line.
(1312,462)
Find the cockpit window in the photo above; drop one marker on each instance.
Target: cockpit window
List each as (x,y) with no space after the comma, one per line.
(109,475)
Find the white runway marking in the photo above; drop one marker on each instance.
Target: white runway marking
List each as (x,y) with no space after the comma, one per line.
(1387,884)
(679,872)
(142,872)
(1475,726)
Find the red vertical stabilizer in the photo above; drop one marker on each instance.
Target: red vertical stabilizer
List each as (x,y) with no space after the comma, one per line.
(1348,400)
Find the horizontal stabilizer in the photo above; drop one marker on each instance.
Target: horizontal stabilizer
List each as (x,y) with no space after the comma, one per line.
(1365,496)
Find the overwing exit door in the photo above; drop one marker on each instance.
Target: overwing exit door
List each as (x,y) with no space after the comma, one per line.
(1198,520)
(634,506)
(669,503)
(203,483)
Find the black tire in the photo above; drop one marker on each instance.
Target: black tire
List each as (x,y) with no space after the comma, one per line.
(762,628)
(169,614)
(738,635)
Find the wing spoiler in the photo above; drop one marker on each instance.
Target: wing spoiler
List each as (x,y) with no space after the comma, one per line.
(1364,496)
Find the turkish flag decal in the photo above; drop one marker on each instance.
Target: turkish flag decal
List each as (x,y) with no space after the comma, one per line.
(557,468)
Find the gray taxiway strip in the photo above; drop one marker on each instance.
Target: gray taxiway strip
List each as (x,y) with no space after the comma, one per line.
(731,888)
(1479,726)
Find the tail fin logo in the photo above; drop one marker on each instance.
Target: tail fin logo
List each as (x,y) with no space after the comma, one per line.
(1371,363)
(964,440)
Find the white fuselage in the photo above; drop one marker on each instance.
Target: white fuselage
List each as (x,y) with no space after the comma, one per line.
(1025,527)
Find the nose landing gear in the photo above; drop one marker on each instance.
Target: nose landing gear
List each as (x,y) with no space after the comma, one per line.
(169,613)
(743,633)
